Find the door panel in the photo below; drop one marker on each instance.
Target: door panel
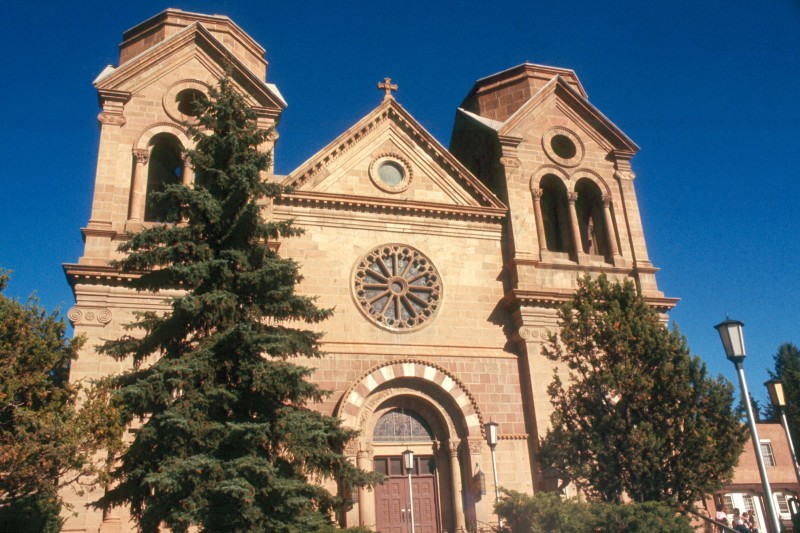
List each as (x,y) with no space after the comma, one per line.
(425,518)
(390,505)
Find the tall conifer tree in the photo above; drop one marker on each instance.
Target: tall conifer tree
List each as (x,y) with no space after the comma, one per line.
(639,415)
(787,369)
(226,441)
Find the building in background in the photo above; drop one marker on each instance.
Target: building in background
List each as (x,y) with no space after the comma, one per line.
(445,266)
(745,491)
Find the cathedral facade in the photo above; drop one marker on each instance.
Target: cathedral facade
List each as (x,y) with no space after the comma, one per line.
(445,266)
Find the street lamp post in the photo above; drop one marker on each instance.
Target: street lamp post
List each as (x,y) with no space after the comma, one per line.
(778,398)
(492,430)
(730,332)
(408,460)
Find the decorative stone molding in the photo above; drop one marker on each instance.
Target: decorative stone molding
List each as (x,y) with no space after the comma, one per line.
(572,197)
(141,155)
(351,449)
(475,446)
(528,334)
(353,401)
(81,316)
(511,162)
(111,119)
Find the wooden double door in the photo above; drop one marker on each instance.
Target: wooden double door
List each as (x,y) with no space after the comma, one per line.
(393,506)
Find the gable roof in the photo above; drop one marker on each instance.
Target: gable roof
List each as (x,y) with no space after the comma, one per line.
(303,178)
(576,104)
(116,79)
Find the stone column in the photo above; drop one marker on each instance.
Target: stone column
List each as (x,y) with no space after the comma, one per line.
(611,235)
(187,172)
(572,197)
(537,213)
(138,184)
(459,524)
(366,502)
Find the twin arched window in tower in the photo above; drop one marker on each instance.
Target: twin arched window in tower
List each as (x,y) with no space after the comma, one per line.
(573,222)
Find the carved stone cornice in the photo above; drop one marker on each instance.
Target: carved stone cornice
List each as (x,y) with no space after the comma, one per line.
(96,275)
(555,297)
(391,206)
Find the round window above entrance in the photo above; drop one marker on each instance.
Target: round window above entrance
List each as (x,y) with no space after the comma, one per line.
(390,173)
(397,287)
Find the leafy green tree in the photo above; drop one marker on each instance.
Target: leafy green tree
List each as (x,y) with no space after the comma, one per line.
(46,441)
(227,441)
(638,414)
(787,368)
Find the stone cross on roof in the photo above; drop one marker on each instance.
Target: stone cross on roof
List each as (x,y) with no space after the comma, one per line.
(387,88)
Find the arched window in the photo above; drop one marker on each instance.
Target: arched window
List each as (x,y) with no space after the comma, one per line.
(554,213)
(165,167)
(591,219)
(401,425)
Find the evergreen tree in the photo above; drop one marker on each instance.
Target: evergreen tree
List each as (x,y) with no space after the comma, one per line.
(227,441)
(46,441)
(638,414)
(787,369)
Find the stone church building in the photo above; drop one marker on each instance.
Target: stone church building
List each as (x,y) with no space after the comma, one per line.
(445,266)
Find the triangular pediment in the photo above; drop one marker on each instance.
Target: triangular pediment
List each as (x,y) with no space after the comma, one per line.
(194,45)
(575,107)
(349,169)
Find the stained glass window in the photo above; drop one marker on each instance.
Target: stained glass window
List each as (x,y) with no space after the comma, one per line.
(399,425)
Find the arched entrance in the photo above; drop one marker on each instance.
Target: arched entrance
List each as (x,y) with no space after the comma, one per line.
(417,406)
(407,492)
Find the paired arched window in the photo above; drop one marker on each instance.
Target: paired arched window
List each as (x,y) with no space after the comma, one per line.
(554,213)
(591,218)
(577,222)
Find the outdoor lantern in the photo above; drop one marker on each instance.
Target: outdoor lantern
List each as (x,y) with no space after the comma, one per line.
(775,388)
(408,460)
(491,433)
(730,332)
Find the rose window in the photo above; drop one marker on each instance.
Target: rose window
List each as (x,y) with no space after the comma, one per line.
(397,287)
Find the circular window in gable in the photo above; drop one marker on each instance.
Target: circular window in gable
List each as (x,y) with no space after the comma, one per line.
(397,287)
(181,100)
(562,146)
(190,102)
(390,173)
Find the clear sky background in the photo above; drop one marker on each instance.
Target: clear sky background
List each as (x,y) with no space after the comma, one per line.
(710,90)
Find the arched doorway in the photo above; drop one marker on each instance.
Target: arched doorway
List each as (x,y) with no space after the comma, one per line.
(449,411)
(408,492)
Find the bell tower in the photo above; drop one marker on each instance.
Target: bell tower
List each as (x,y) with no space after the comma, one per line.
(146,104)
(563,169)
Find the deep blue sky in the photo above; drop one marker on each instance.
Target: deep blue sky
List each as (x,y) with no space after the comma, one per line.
(708,89)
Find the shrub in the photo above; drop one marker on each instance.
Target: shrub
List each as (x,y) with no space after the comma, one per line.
(547,512)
